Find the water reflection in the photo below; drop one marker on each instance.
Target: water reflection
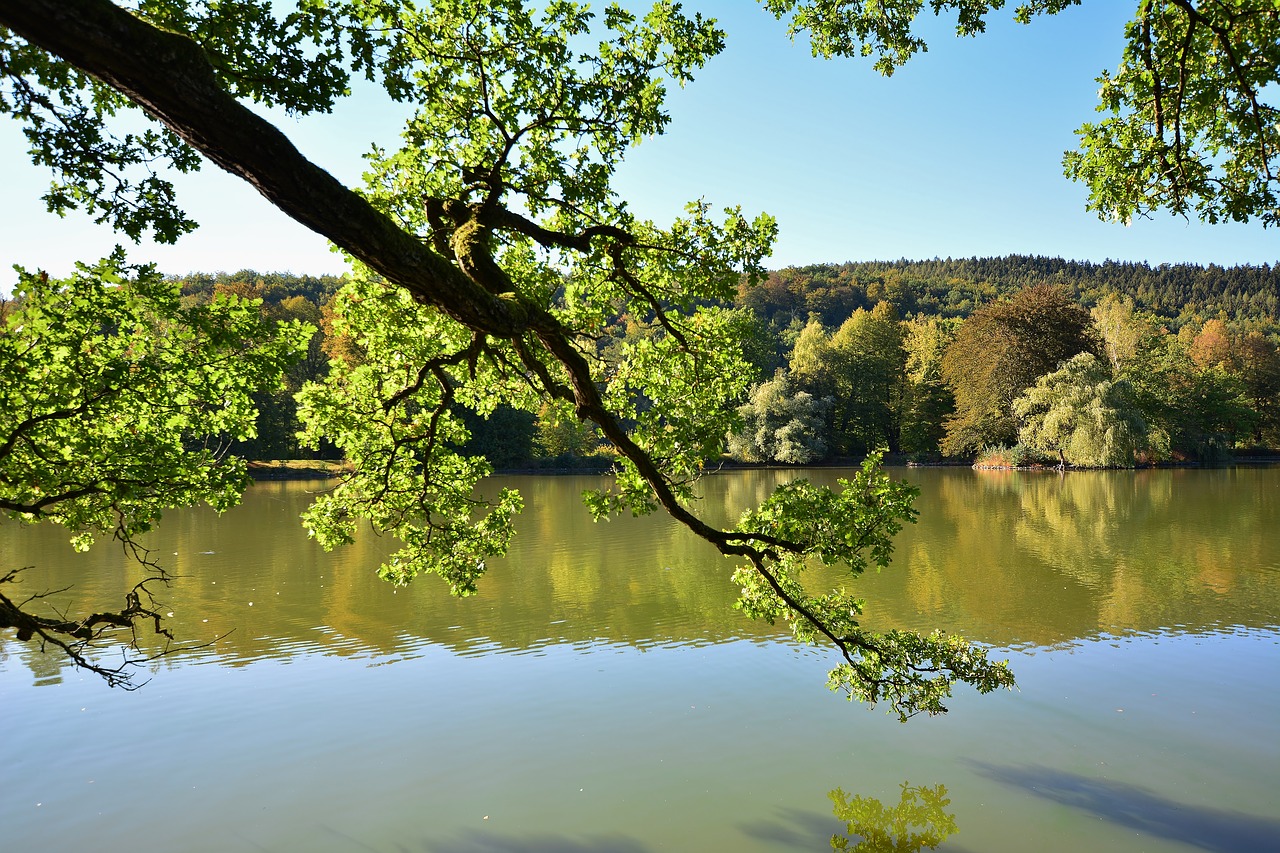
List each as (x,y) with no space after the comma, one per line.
(1010,559)
(1035,560)
(919,821)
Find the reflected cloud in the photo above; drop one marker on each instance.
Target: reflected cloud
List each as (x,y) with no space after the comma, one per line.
(1216,830)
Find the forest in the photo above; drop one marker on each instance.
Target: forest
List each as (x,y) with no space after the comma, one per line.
(1009,361)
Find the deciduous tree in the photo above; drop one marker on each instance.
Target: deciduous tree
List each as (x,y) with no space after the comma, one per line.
(1081,412)
(999,352)
(489,249)
(781,424)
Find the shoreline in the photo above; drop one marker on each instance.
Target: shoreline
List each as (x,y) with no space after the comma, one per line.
(322,469)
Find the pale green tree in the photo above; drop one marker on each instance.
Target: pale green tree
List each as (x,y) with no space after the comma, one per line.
(871,364)
(1084,415)
(559,433)
(781,424)
(1124,332)
(860,366)
(928,399)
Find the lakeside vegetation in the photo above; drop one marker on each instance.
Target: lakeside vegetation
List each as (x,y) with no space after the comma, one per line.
(1007,361)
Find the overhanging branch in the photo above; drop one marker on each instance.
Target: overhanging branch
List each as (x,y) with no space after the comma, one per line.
(171,77)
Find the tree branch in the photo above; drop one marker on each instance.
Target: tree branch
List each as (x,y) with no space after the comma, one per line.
(171,77)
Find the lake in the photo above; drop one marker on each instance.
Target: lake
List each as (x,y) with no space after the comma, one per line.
(601,694)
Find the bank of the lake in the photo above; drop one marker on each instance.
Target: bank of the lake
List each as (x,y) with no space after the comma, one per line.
(600,693)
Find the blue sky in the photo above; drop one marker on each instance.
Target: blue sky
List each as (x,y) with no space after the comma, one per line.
(958,154)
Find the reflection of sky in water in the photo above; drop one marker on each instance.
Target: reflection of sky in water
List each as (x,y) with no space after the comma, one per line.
(725,746)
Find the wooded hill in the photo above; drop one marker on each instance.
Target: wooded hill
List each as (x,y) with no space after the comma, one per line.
(955,287)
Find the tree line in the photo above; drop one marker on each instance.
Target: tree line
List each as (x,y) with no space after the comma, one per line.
(1177,293)
(1064,370)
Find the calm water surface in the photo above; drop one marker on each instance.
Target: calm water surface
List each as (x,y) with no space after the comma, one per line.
(600,693)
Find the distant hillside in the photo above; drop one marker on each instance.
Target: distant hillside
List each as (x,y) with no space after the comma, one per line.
(955,287)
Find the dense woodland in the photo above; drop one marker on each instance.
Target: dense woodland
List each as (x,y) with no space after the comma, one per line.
(1007,360)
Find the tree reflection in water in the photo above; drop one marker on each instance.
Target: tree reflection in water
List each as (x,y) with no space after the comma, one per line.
(919,821)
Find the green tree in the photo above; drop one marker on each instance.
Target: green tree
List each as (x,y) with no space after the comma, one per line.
(1123,332)
(1084,415)
(860,367)
(464,239)
(116,400)
(1202,411)
(1256,360)
(928,400)
(559,433)
(781,424)
(999,352)
(488,254)
(871,363)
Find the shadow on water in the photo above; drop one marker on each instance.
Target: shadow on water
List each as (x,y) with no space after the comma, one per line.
(797,828)
(1217,830)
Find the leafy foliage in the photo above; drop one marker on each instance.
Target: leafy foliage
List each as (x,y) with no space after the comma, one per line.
(1000,351)
(860,367)
(492,257)
(1188,125)
(885,29)
(1191,120)
(1082,412)
(780,424)
(853,528)
(119,404)
(919,821)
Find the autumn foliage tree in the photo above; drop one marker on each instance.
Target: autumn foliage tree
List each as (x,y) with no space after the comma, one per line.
(999,352)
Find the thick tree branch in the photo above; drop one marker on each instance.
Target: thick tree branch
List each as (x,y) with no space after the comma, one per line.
(171,77)
(499,217)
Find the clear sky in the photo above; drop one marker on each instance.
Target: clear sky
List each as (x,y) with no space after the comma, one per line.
(956,155)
